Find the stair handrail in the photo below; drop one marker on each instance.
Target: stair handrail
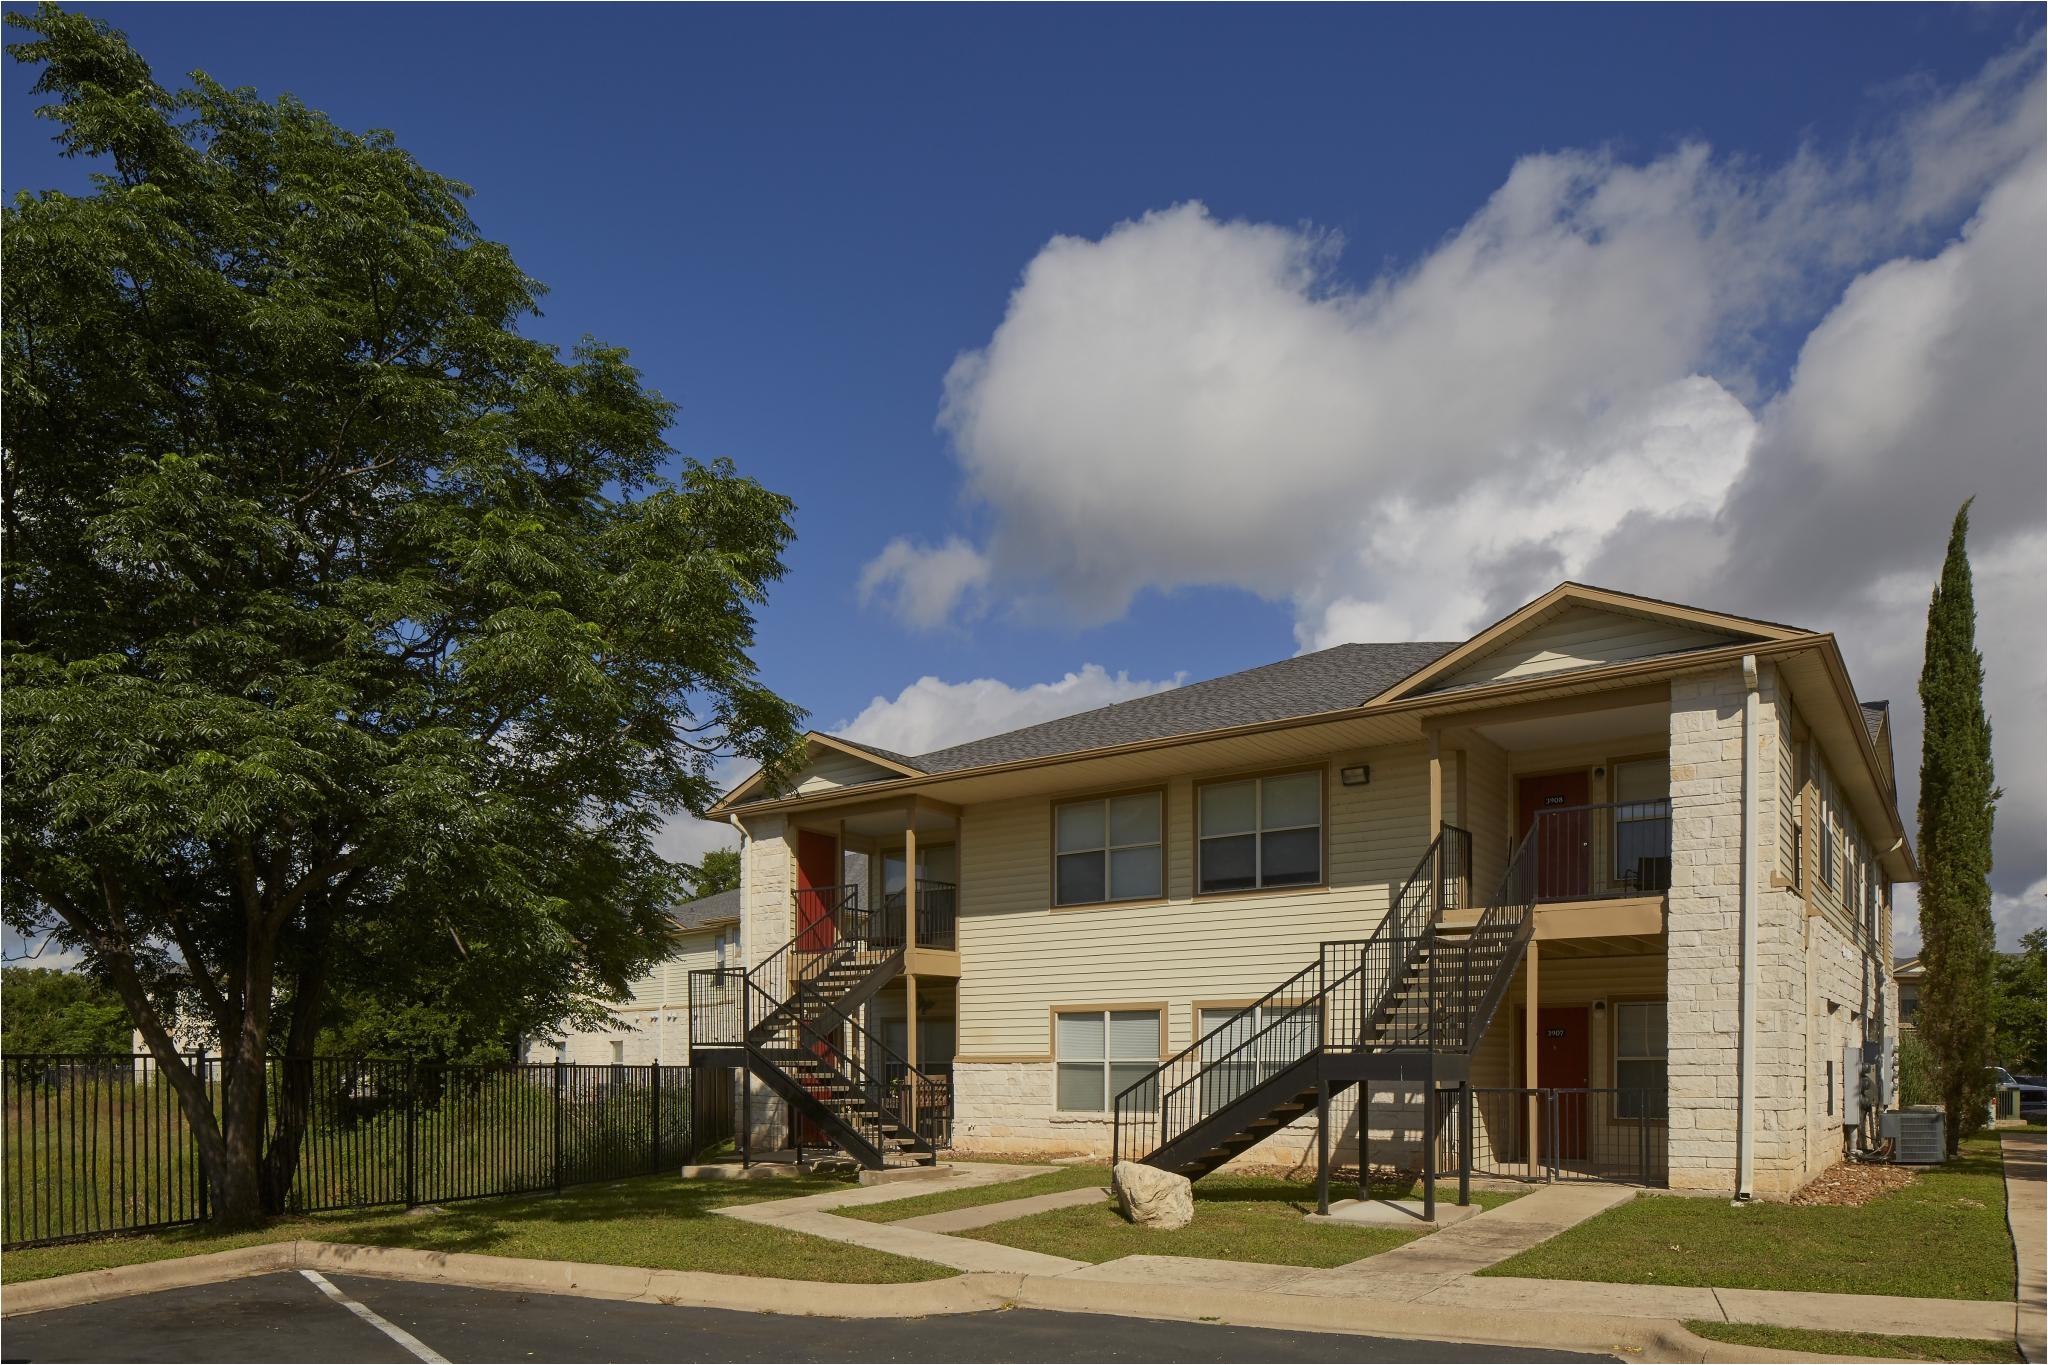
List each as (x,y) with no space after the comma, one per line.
(929,1123)
(1509,916)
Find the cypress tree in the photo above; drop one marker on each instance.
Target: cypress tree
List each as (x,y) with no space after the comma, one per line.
(1956,801)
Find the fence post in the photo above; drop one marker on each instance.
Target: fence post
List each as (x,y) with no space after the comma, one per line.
(412,1106)
(1643,1133)
(198,1152)
(560,1073)
(655,1163)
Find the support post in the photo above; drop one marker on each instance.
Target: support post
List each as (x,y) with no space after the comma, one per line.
(910,1048)
(1465,1143)
(1530,1035)
(910,879)
(1429,1147)
(1364,1141)
(1322,1145)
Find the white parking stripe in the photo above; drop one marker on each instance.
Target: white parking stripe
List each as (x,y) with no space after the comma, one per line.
(419,1349)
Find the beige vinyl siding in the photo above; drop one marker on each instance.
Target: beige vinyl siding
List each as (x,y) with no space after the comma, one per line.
(1567,981)
(1580,637)
(1489,814)
(1020,959)
(829,770)
(669,980)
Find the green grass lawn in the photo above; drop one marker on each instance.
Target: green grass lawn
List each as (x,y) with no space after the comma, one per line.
(658,1221)
(1943,1237)
(1052,1181)
(1855,1343)
(1237,1218)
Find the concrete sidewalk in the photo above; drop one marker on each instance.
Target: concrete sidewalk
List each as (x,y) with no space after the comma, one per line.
(2026,1215)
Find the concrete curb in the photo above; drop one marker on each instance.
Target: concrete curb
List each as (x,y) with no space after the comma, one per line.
(687,1288)
(120,1282)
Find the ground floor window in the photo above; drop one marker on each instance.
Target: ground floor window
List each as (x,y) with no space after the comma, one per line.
(1102,1052)
(1241,1048)
(1639,1061)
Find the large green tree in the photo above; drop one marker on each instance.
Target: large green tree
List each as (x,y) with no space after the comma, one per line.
(46,1009)
(354,639)
(2019,1016)
(1957,798)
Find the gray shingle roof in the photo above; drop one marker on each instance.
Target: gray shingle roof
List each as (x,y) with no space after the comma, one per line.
(1328,680)
(713,909)
(1874,713)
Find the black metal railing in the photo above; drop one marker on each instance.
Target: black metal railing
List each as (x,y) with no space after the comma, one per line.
(827,1054)
(1414,984)
(1616,1135)
(1621,848)
(936,914)
(716,1016)
(97,1145)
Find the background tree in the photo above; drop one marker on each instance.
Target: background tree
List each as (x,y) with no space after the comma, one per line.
(351,636)
(2019,1013)
(51,1010)
(718,870)
(1957,797)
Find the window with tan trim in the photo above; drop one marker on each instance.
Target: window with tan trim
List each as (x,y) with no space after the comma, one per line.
(1259,832)
(1108,849)
(1099,1053)
(1640,1070)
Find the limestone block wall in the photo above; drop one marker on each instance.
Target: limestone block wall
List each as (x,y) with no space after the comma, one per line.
(767,919)
(1705,945)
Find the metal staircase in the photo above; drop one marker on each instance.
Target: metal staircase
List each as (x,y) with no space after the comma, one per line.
(1408,1004)
(793,1022)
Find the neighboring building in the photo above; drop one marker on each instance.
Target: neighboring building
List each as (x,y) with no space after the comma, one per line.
(1909,972)
(654,1022)
(1175,925)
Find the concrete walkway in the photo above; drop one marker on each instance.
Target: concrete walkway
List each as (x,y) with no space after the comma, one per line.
(2026,1215)
(987,1215)
(812,1214)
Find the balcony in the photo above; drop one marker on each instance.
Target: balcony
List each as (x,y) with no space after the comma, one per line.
(1605,852)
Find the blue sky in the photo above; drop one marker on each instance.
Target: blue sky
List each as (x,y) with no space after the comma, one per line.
(797,219)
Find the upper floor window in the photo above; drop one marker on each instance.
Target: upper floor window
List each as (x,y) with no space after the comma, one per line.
(1830,857)
(1261,831)
(1107,850)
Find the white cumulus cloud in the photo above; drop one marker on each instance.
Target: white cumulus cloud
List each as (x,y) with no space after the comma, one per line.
(932,714)
(1571,384)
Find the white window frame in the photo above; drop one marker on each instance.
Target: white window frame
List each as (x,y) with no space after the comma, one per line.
(1259,831)
(1110,849)
(1109,1060)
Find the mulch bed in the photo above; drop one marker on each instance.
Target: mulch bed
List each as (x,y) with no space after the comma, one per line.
(1852,1186)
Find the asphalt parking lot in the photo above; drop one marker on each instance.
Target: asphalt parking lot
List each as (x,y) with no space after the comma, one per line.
(290,1317)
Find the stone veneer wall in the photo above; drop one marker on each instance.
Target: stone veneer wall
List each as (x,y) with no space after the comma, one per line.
(1705,948)
(767,919)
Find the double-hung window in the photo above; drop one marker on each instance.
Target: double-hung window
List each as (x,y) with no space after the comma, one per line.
(1261,831)
(1639,1065)
(1100,1053)
(1107,850)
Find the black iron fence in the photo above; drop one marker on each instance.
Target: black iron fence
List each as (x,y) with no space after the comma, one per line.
(1581,1134)
(100,1144)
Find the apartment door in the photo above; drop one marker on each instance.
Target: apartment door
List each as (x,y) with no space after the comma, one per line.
(1554,804)
(1564,1059)
(817,884)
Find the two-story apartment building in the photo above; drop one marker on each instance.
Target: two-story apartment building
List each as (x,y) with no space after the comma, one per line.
(1604,889)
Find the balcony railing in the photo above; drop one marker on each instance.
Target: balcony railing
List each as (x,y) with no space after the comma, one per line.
(937,914)
(1622,848)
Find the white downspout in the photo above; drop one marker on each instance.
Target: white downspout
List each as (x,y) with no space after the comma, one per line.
(746,1080)
(1745,1122)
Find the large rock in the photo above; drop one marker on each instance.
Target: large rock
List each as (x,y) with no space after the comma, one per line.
(1153,1198)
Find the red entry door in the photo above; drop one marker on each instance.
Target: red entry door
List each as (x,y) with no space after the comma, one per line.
(817,889)
(1564,839)
(1563,1062)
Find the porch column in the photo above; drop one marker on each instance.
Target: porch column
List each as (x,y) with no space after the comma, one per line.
(1436,784)
(910,1047)
(910,880)
(1530,1034)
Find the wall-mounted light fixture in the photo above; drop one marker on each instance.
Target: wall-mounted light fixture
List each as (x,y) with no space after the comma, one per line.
(1599,1007)
(1356,777)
